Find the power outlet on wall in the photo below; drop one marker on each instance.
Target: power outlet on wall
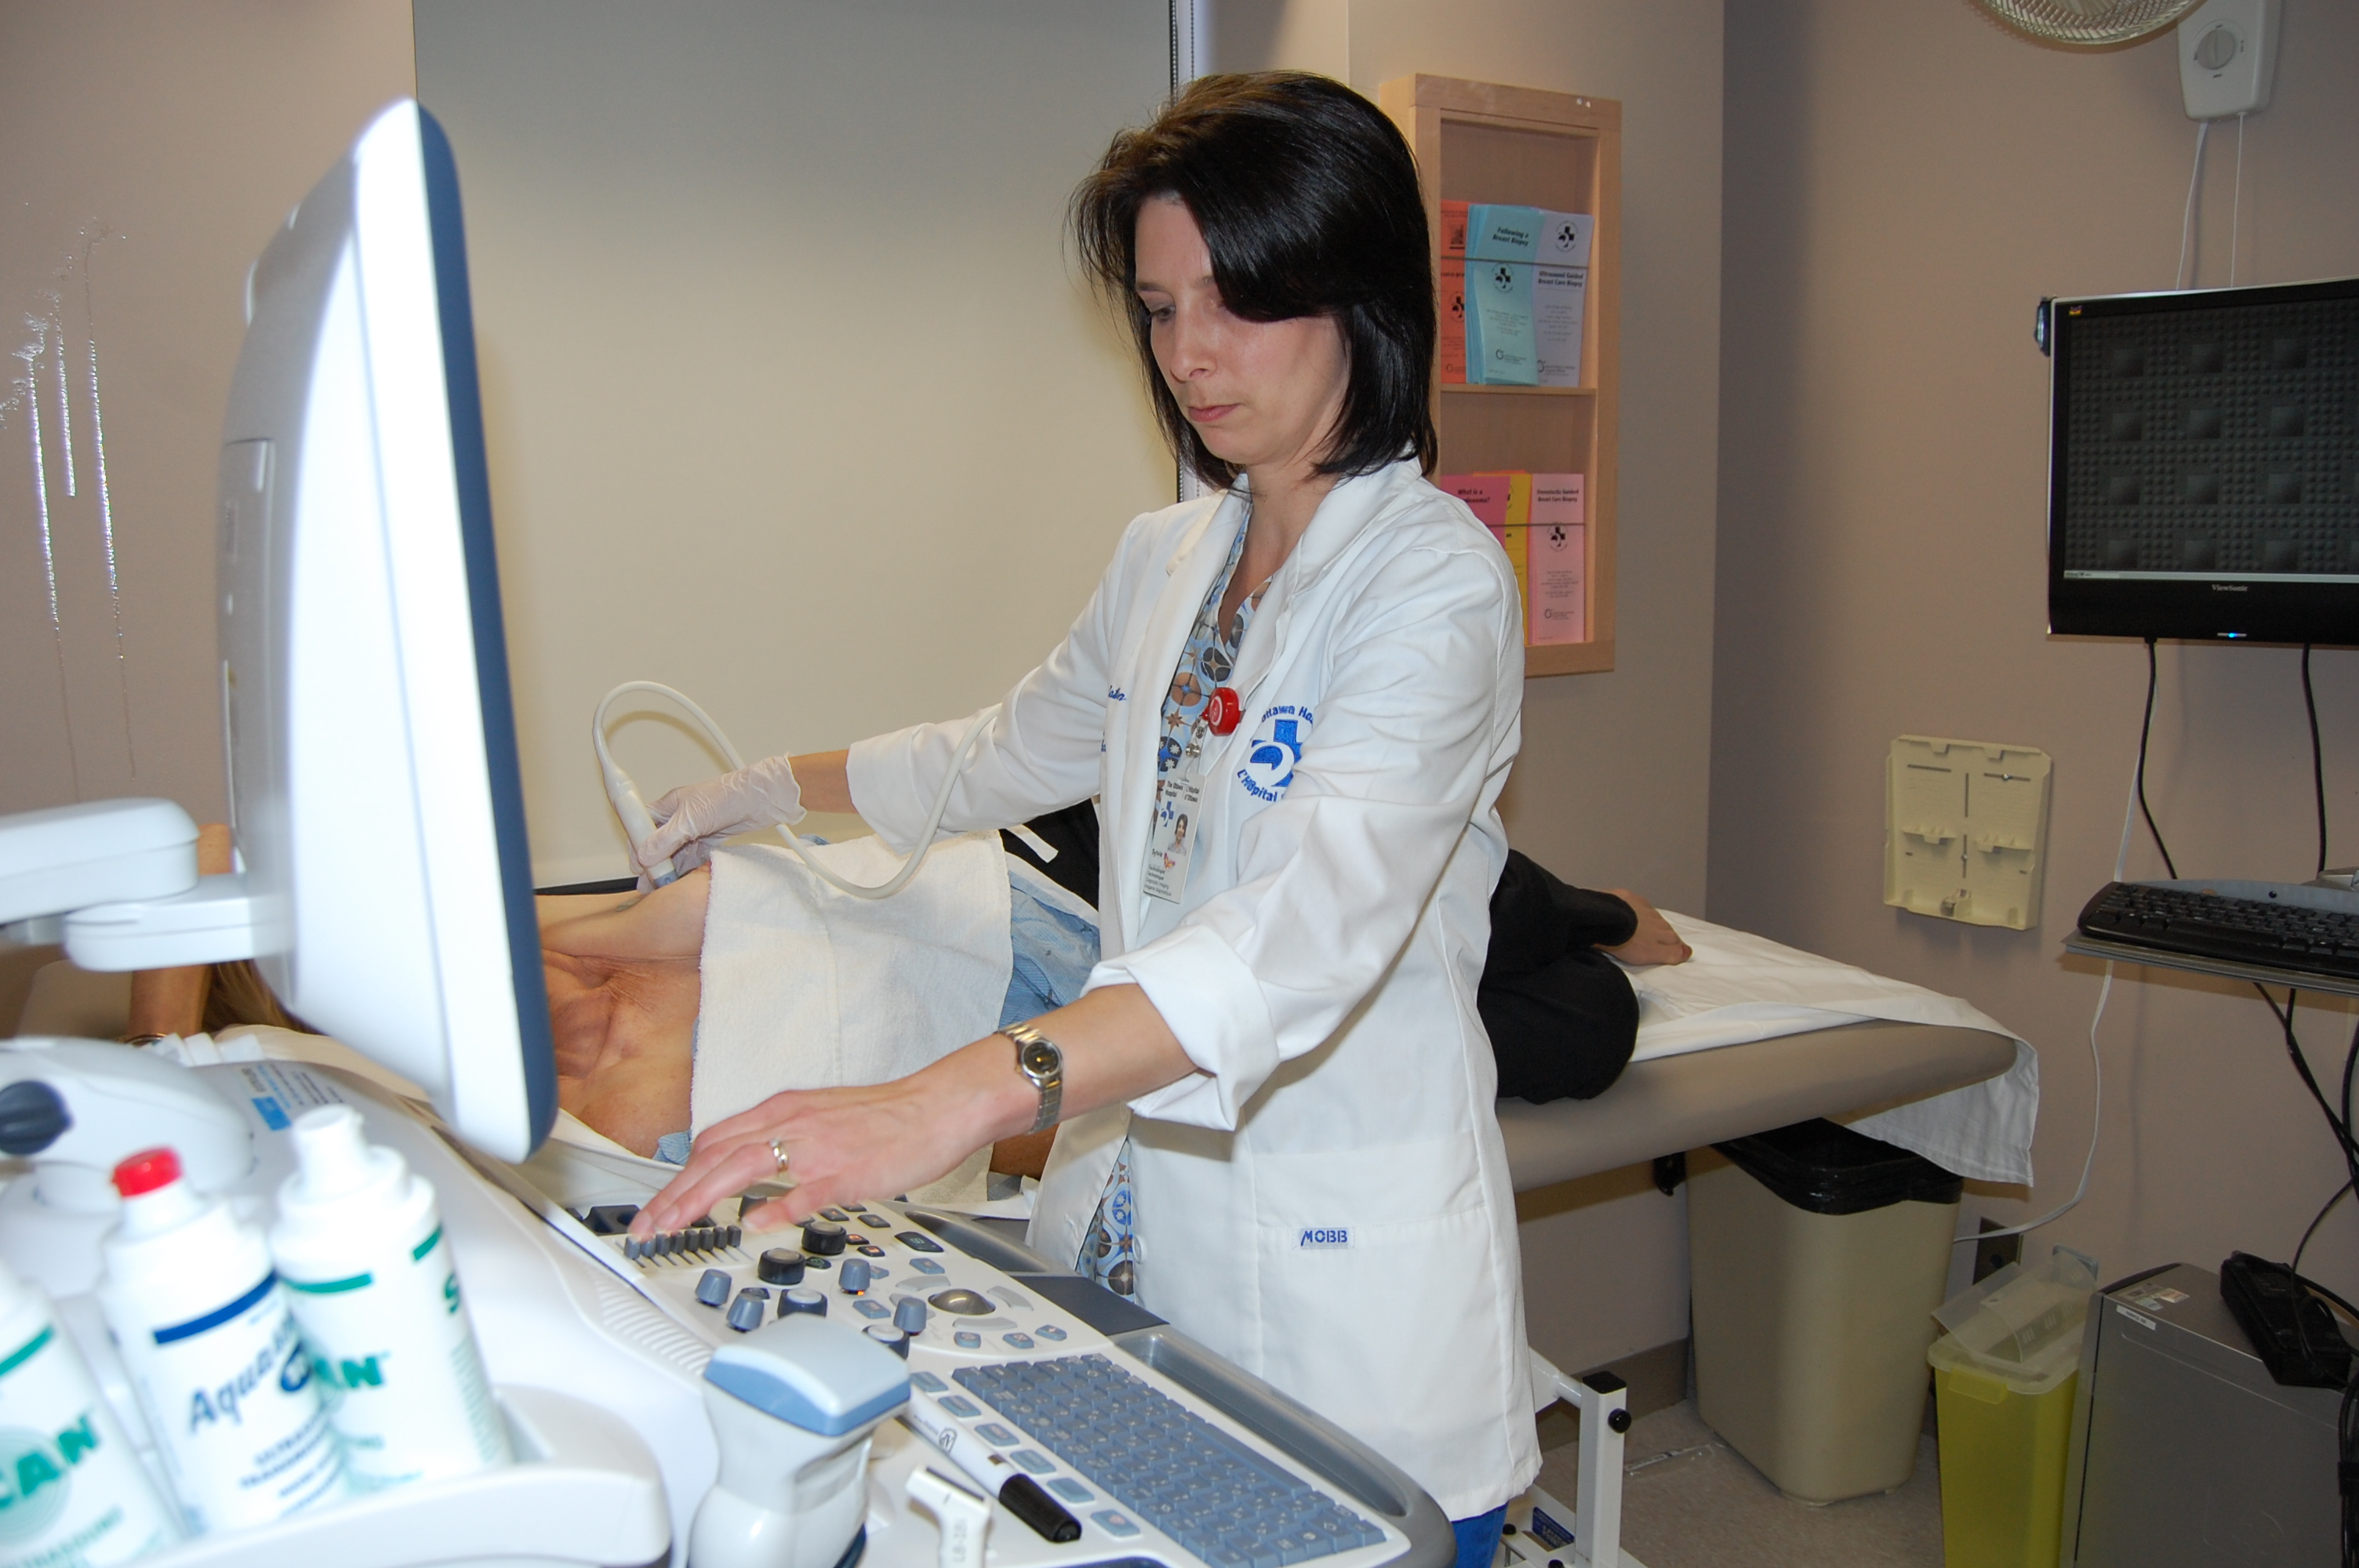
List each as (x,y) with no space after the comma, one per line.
(1995,1253)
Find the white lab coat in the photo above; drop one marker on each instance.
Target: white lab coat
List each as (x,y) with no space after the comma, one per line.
(1326,1202)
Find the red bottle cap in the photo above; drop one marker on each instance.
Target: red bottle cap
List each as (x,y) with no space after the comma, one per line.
(146,1171)
(1222,710)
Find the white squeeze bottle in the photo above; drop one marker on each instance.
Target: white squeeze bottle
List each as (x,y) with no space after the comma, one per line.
(213,1354)
(360,1245)
(72,1491)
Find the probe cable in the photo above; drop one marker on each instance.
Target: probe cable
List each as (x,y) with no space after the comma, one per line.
(713,732)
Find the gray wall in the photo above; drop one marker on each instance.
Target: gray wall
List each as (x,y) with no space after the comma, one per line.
(1904,182)
(152,149)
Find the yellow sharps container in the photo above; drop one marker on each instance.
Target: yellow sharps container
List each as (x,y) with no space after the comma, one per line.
(2002,1382)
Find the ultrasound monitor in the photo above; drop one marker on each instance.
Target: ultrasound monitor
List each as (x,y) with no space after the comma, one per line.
(2204,464)
(372,772)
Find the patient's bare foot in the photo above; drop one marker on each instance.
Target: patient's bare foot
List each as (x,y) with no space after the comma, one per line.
(623,991)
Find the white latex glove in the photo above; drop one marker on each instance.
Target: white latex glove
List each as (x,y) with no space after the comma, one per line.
(692,818)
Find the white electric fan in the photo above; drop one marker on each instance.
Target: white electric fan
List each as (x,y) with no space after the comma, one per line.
(2227,49)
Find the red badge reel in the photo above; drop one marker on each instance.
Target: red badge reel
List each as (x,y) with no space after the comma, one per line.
(1222,710)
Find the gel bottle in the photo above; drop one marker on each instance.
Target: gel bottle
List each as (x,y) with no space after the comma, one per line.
(213,1354)
(360,1245)
(73,1492)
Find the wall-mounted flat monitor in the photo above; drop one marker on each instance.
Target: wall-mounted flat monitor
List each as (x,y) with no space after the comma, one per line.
(2203,476)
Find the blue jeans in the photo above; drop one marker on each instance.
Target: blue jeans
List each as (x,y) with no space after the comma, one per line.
(1478,1538)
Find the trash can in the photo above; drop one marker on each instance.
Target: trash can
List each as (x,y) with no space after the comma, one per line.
(1817,1255)
(2004,1378)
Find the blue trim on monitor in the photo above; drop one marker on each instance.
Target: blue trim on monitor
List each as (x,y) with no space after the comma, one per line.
(533,1034)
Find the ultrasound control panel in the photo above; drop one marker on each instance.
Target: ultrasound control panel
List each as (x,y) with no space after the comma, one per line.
(1155,1449)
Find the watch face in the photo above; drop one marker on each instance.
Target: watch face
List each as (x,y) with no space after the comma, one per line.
(1040,1059)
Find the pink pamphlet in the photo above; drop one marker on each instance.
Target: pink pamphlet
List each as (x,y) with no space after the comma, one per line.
(1485,495)
(1557,550)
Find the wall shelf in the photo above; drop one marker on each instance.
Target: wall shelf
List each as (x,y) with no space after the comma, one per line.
(1479,141)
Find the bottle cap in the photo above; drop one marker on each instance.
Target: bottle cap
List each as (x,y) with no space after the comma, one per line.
(333,1158)
(146,1171)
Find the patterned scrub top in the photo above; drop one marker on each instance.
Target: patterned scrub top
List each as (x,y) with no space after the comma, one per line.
(1110,1248)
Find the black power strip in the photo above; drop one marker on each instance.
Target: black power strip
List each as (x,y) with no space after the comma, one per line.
(2295,1336)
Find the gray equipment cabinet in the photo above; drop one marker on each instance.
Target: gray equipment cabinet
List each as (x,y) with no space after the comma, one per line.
(2184,1450)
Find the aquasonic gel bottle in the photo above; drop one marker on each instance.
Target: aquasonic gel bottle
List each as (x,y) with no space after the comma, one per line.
(213,1354)
(73,1492)
(359,1243)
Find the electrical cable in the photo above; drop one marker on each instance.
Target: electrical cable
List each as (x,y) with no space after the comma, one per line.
(2316,1220)
(2317,761)
(2187,223)
(2236,202)
(2146,730)
(2097,1061)
(625,796)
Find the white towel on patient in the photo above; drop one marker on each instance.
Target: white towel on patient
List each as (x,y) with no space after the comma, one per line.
(805,987)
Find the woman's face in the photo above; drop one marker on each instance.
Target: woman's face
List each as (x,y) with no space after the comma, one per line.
(1262,395)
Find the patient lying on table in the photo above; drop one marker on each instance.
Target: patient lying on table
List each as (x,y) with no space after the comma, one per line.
(625,986)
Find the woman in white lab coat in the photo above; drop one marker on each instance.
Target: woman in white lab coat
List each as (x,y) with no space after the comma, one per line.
(1277,1092)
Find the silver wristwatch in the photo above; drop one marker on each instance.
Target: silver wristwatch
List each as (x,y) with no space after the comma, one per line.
(1043,1067)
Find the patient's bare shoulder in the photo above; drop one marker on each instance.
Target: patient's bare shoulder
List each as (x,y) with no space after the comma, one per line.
(666,923)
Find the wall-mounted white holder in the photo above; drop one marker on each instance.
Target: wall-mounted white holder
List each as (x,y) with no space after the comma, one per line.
(2228,57)
(1965,830)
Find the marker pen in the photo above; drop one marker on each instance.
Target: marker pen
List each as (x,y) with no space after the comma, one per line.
(1022,1495)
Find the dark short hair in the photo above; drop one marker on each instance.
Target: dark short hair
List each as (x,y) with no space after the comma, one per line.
(1307,200)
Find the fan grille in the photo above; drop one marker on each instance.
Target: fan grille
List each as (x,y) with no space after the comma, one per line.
(2089,23)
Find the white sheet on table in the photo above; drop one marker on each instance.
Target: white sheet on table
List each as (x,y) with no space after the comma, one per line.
(1741,987)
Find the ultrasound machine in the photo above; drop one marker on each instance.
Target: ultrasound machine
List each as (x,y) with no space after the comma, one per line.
(708,1396)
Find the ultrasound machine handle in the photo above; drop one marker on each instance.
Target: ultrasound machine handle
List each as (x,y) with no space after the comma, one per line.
(792,1406)
(76,1108)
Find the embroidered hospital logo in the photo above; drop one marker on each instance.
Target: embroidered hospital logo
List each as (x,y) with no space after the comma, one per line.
(1277,747)
(1323,1238)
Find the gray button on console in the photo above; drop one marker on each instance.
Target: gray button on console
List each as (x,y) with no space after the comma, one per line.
(781,1266)
(714,1289)
(822,1236)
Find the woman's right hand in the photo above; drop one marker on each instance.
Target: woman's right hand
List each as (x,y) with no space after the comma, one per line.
(692,818)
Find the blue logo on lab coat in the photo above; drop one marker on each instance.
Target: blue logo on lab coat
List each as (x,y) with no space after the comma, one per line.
(1276,748)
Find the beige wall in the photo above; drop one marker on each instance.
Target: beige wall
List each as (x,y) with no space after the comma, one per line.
(153,148)
(1611,790)
(791,398)
(1904,182)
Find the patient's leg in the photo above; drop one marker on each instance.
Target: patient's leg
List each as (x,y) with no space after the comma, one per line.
(623,996)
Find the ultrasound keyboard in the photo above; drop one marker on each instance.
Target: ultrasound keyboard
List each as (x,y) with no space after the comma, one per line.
(1162,1453)
(1169,1466)
(2299,928)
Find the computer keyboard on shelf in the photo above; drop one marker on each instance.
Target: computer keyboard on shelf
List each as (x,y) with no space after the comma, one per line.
(2295,927)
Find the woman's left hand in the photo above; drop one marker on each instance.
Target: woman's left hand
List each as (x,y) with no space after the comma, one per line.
(1654,942)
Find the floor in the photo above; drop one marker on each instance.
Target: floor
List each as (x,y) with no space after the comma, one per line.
(1690,1501)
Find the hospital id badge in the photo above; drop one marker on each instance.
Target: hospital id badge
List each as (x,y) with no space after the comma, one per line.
(1171,840)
